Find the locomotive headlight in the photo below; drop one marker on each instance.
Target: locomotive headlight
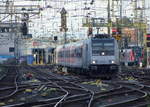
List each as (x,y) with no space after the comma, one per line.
(103,53)
(112,62)
(94,62)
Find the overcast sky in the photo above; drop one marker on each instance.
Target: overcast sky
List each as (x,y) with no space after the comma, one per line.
(48,22)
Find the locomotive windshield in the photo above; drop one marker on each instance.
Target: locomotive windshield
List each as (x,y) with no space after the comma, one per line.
(102,47)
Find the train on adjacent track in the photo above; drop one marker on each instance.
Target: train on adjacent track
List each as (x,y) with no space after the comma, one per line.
(95,56)
(132,56)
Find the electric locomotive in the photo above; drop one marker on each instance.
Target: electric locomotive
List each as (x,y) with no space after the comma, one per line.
(96,56)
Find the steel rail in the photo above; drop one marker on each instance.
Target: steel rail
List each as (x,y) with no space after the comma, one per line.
(16,86)
(55,84)
(68,92)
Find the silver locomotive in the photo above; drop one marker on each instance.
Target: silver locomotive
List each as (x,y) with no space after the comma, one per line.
(94,56)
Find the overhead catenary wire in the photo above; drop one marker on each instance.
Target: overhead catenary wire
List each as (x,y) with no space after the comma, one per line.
(84,7)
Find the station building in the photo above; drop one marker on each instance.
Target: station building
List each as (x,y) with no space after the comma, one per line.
(8,36)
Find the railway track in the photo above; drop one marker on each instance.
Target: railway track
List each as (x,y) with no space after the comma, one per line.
(72,90)
(23,98)
(69,88)
(90,98)
(138,76)
(57,90)
(7,82)
(125,98)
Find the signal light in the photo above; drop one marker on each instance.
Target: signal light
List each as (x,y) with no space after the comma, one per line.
(148,40)
(119,30)
(148,44)
(148,37)
(114,31)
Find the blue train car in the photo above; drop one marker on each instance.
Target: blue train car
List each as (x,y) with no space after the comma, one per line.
(132,56)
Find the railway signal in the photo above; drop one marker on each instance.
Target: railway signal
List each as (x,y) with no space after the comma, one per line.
(148,40)
(116,33)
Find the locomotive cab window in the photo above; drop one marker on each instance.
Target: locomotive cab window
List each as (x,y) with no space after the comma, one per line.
(102,47)
(109,46)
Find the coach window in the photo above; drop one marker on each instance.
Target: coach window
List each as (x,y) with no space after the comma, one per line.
(76,52)
(67,53)
(60,54)
(64,53)
(80,52)
(73,53)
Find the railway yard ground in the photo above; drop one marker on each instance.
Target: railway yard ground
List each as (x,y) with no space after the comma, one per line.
(44,86)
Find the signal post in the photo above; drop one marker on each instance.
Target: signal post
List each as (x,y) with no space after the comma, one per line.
(64,29)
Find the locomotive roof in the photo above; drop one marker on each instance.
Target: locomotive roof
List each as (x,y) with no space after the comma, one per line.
(79,43)
(95,38)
